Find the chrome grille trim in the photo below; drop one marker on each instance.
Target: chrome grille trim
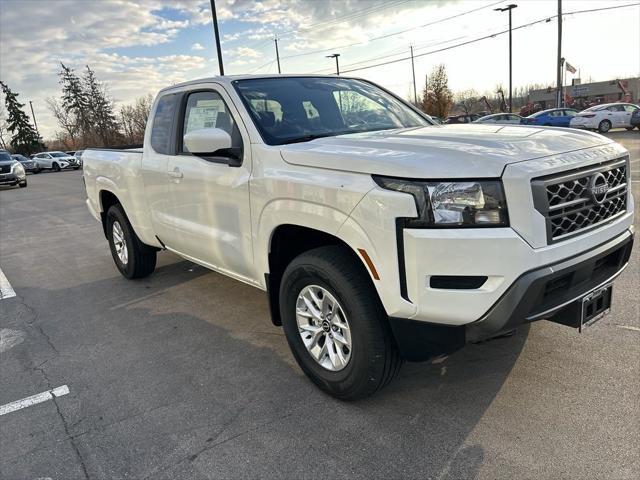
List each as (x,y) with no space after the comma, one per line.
(569,202)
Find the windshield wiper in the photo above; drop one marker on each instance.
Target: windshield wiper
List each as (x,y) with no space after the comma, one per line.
(308,138)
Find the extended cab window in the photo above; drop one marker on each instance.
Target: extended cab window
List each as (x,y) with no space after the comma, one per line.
(208,110)
(163,123)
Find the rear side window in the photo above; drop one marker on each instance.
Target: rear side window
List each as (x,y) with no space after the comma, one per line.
(163,123)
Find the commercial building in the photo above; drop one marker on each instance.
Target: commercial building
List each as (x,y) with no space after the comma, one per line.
(583,95)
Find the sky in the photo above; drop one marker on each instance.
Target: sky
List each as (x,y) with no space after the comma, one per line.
(138,47)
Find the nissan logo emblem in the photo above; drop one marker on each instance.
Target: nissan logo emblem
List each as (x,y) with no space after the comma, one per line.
(598,188)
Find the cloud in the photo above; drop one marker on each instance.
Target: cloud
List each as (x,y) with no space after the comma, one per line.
(197,46)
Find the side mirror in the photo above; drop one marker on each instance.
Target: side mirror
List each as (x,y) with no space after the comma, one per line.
(207,141)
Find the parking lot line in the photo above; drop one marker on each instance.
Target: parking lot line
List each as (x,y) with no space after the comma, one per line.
(34,400)
(6,291)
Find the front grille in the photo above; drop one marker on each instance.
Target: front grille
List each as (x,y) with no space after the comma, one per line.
(5,168)
(581,199)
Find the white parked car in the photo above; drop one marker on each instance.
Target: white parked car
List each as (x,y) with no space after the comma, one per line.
(55,161)
(500,119)
(605,117)
(376,235)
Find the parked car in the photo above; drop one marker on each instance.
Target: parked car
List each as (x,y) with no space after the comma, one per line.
(55,161)
(375,240)
(453,119)
(635,118)
(500,119)
(11,171)
(29,164)
(553,117)
(78,156)
(605,117)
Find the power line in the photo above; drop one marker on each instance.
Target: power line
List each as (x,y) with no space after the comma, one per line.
(545,19)
(324,50)
(350,16)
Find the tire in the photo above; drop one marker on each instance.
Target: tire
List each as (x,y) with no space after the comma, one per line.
(604,126)
(139,259)
(374,359)
(629,128)
(76,168)
(37,170)
(23,184)
(55,167)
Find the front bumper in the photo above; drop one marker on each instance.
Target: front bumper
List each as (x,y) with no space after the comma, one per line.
(10,179)
(548,292)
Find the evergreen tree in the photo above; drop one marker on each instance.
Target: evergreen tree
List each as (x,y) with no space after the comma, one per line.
(101,110)
(74,99)
(24,138)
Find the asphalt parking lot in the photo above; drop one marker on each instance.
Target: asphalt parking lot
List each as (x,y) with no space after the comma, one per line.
(182,375)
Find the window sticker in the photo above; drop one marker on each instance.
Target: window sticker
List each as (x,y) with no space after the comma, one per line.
(204,115)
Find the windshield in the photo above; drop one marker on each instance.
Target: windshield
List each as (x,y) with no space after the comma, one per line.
(295,109)
(58,154)
(5,157)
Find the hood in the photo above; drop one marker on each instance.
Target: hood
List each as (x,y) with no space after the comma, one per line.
(450,151)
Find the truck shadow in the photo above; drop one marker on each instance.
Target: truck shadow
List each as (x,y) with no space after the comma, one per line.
(182,375)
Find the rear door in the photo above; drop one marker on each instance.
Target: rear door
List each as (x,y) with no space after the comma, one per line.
(629,109)
(620,116)
(159,146)
(208,198)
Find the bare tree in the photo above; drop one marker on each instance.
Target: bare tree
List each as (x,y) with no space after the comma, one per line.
(133,119)
(66,121)
(466,100)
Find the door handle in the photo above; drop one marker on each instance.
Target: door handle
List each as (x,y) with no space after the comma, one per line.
(175,173)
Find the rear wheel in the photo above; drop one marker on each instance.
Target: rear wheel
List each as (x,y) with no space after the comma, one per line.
(55,167)
(335,324)
(133,258)
(604,126)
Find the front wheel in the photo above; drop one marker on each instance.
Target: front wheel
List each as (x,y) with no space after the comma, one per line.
(22,184)
(133,258)
(335,324)
(55,167)
(604,126)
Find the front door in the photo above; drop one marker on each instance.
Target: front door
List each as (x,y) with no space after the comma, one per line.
(208,198)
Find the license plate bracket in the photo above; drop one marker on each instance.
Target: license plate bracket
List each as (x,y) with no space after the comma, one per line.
(595,305)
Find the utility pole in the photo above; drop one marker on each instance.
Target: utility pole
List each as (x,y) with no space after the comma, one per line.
(34,118)
(508,8)
(413,70)
(277,54)
(217,35)
(559,63)
(335,55)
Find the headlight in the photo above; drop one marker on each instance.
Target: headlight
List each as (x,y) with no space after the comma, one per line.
(17,168)
(455,203)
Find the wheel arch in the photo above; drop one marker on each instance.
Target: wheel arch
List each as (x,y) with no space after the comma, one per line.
(288,241)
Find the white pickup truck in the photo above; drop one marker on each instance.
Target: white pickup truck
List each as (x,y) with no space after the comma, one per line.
(377,235)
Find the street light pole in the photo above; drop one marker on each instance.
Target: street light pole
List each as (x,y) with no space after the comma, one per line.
(277,54)
(335,55)
(34,118)
(413,70)
(217,35)
(508,8)
(559,62)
